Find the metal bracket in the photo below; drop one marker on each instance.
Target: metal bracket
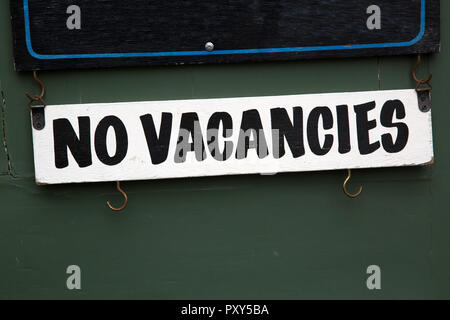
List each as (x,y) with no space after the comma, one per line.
(423,92)
(38,116)
(38,110)
(424,97)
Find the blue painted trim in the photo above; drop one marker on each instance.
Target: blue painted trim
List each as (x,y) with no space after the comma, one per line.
(217,52)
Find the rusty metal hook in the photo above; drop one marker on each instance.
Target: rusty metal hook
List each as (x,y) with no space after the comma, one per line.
(420,81)
(344,186)
(124,202)
(41,96)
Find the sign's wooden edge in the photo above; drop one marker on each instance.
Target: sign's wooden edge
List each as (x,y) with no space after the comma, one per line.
(431,36)
(426,164)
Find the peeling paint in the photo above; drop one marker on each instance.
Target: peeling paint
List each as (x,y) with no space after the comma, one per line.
(379,72)
(4,139)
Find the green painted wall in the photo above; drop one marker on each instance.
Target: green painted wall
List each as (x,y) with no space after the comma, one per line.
(289,236)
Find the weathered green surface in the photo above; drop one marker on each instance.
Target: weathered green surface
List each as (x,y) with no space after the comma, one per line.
(286,236)
(3,145)
(3,159)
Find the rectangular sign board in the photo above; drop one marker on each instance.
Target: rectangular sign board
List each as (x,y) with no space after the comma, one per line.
(211,137)
(55,34)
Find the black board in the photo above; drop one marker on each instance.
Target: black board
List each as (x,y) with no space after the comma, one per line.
(141,32)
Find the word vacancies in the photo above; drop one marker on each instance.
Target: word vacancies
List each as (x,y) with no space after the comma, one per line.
(150,140)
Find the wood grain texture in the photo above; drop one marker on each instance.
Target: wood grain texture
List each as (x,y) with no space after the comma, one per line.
(112,33)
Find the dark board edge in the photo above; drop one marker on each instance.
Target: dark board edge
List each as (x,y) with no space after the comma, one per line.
(429,44)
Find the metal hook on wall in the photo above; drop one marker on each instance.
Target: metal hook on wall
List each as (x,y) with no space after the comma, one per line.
(125,202)
(38,108)
(344,186)
(420,81)
(41,84)
(423,88)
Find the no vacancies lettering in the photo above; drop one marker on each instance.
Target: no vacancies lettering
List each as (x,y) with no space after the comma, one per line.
(187,138)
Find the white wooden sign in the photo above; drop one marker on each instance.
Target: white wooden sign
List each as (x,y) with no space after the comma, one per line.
(254,135)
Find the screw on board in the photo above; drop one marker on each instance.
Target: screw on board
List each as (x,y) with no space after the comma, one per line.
(423,88)
(209,46)
(37,110)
